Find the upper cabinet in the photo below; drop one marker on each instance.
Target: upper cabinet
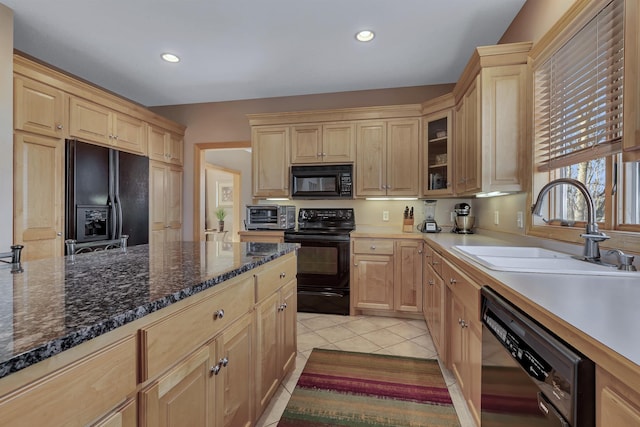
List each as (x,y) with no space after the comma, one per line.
(93,122)
(437,153)
(38,108)
(491,120)
(270,161)
(165,146)
(387,158)
(326,143)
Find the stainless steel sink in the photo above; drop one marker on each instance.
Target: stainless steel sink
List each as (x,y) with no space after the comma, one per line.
(523,259)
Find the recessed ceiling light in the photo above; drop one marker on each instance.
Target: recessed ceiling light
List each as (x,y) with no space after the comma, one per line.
(365,35)
(170,57)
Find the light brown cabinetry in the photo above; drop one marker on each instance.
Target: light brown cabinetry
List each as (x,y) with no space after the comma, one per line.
(262,236)
(126,415)
(323,143)
(387,158)
(434,299)
(93,122)
(491,120)
(386,275)
(92,386)
(38,108)
(616,403)
(165,202)
(437,143)
(165,146)
(38,182)
(270,161)
(464,334)
(276,345)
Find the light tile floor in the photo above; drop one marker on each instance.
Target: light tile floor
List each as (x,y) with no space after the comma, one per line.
(385,335)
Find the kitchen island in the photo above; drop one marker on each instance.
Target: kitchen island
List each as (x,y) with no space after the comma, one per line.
(115,323)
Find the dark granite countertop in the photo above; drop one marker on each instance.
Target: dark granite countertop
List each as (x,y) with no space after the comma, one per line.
(56,304)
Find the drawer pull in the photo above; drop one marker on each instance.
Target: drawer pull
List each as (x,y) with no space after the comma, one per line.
(373,247)
(214,370)
(434,262)
(431,282)
(282,307)
(218,314)
(419,251)
(283,275)
(452,281)
(463,324)
(223,362)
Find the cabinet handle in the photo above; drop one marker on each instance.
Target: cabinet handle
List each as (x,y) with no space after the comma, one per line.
(59,126)
(324,154)
(59,233)
(434,262)
(283,275)
(115,136)
(463,324)
(223,362)
(373,247)
(110,136)
(355,264)
(452,281)
(282,307)
(319,155)
(219,314)
(419,251)
(215,370)
(431,282)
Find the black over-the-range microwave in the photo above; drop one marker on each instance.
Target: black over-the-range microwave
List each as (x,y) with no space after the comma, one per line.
(322,182)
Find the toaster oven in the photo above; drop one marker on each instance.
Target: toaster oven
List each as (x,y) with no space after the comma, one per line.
(271,217)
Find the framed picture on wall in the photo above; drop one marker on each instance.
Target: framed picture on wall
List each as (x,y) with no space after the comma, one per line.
(225,194)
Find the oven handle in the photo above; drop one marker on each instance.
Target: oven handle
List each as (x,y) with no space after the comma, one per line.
(324,294)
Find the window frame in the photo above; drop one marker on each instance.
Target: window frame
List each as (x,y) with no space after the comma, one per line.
(623,236)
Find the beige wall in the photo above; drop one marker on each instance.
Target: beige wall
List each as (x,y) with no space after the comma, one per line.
(227,121)
(534,19)
(6,127)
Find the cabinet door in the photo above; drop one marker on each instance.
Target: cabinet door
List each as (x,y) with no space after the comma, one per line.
(129,134)
(234,384)
(38,208)
(437,154)
(174,197)
(268,373)
(616,403)
(403,157)
(156,140)
(38,108)
(437,301)
(408,276)
(338,142)
(90,122)
(459,134)
(371,154)
(472,141)
(180,397)
(176,149)
(288,327)
(306,144)
(270,161)
(157,196)
(373,282)
(457,347)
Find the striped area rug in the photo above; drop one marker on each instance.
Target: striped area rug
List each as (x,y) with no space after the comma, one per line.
(339,388)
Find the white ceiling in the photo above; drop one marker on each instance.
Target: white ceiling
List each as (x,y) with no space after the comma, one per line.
(247,49)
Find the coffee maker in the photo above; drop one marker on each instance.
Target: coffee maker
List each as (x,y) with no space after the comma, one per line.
(463,222)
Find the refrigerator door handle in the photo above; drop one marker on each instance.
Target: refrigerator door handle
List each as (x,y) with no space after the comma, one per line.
(119,216)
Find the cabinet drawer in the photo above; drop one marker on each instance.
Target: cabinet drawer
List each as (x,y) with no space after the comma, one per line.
(373,246)
(273,278)
(463,288)
(167,340)
(78,393)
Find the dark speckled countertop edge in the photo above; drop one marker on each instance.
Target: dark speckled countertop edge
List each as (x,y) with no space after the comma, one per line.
(79,336)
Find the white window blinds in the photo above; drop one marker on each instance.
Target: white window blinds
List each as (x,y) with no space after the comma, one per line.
(578,94)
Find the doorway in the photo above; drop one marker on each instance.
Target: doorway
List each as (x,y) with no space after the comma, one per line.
(230,157)
(221,202)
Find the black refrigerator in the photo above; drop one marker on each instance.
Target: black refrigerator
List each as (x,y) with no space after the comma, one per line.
(106,195)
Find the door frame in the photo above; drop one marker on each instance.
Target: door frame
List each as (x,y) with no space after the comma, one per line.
(199,179)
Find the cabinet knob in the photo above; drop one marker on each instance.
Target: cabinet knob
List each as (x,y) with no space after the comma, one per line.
(115,136)
(223,362)
(355,264)
(319,155)
(324,154)
(452,281)
(283,275)
(434,262)
(431,282)
(373,247)
(282,306)
(219,314)
(59,233)
(419,251)
(215,370)
(110,136)
(59,126)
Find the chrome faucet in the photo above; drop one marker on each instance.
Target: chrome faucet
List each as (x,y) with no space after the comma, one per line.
(592,236)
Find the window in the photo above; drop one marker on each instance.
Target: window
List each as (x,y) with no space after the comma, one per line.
(578,128)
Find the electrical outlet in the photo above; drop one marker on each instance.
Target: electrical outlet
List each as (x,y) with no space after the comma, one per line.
(520,219)
(385,215)
(496,217)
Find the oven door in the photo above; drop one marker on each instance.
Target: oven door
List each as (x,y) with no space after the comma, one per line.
(323,274)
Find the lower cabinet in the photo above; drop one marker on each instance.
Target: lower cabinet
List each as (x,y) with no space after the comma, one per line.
(616,403)
(386,275)
(433,305)
(124,416)
(464,332)
(276,341)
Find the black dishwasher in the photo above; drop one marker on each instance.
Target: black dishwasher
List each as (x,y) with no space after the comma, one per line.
(529,376)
